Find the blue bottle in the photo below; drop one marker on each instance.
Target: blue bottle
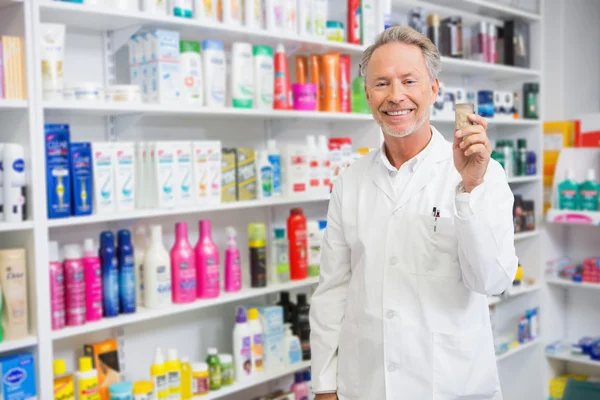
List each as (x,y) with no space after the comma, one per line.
(110,274)
(126,272)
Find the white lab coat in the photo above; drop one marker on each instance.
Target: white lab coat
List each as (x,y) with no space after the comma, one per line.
(401,312)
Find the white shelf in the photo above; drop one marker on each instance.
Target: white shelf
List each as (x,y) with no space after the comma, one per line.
(555,216)
(517,350)
(15,226)
(176,110)
(9,105)
(569,283)
(143,314)
(259,380)
(471,68)
(567,356)
(104,18)
(491,8)
(526,235)
(158,212)
(514,293)
(495,122)
(12,345)
(524,179)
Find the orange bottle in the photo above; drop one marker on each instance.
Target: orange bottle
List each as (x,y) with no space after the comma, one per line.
(301,69)
(331,81)
(283,86)
(315,77)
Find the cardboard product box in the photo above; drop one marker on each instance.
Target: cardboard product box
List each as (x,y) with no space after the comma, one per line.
(516,43)
(485,103)
(105,359)
(271,319)
(246,174)
(503,105)
(18,377)
(229,184)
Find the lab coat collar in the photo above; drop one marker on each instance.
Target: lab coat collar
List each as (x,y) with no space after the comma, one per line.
(436,151)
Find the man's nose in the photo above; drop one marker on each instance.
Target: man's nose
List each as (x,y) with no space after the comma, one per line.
(397,92)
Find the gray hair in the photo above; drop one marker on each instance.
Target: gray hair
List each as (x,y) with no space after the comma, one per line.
(406,35)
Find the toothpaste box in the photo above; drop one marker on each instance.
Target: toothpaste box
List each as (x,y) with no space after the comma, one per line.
(228,175)
(271,319)
(165,69)
(58,182)
(246,174)
(18,377)
(81,178)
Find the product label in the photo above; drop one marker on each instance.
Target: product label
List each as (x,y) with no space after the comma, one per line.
(103,168)
(313,172)
(58,184)
(214,373)
(88,389)
(589,200)
(257,352)
(163,278)
(283,259)
(187,278)
(275,161)
(184,167)
(200,385)
(93,296)
(81,167)
(125,179)
(75,289)
(217,80)
(174,378)
(192,77)
(212,276)
(294,352)
(161,385)
(246,355)
(110,288)
(57,294)
(64,389)
(266,177)
(227,376)
(127,286)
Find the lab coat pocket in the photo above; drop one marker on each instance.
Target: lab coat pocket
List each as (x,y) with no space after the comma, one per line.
(441,259)
(348,362)
(464,366)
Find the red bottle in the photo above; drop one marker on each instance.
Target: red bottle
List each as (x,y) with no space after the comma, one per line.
(344,87)
(296,227)
(282,86)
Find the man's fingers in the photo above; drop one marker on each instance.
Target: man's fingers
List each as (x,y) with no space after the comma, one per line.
(479,120)
(476,149)
(473,139)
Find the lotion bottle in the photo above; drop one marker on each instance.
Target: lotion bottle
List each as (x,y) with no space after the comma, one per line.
(213,68)
(157,272)
(283,86)
(57,288)
(87,380)
(74,285)
(158,374)
(173,367)
(568,198)
(242,346)
(93,281)
(256,333)
(233,269)
(183,266)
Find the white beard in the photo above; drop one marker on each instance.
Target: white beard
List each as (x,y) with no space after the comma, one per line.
(389,131)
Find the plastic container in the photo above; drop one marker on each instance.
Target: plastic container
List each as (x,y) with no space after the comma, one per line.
(124,94)
(213,67)
(335,31)
(253,14)
(74,285)
(283,90)
(258,258)
(280,259)
(275,160)
(232,12)
(227,370)
(297,236)
(191,72)
(263,77)
(183,266)
(233,269)
(242,75)
(214,369)
(208,275)
(87,380)
(173,374)
(256,334)
(88,91)
(110,274)
(315,77)
(121,391)
(186,379)
(331,81)
(158,374)
(157,272)
(200,379)
(265,175)
(93,281)
(305,96)
(57,288)
(345,85)
(142,390)
(354,21)
(242,345)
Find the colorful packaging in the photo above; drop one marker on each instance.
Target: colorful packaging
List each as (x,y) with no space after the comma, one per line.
(105,358)
(246,174)
(13,277)
(330,64)
(229,185)
(81,178)
(344,96)
(18,377)
(58,183)
(274,352)
(13,72)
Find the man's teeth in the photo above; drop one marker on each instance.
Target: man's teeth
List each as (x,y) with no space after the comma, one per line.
(396,113)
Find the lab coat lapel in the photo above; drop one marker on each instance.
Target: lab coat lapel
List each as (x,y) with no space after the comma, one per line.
(380,175)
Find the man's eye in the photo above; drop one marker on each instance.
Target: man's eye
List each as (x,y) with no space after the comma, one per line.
(410,82)
(380,84)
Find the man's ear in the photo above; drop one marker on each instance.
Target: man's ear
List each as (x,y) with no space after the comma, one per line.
(435,88)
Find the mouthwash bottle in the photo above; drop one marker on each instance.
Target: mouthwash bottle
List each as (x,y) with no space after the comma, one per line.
(568,192)
(588,192)
(358,96)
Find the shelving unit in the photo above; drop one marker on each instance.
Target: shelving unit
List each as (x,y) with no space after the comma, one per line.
(516,350)
(95,36)
(568,357)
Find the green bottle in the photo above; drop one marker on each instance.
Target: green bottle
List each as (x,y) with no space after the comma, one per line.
(359,97)
(214,369)
(568,193)
(588,192)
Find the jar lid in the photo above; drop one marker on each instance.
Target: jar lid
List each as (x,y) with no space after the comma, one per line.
(334,24)
(142,387)
(199,367)
(226,358)
(120,388)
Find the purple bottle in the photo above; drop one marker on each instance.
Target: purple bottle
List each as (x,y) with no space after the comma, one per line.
(57,288)
(75,285)
(208,272)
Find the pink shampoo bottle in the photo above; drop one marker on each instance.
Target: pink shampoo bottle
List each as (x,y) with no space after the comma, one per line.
(75,285)
(300,388)
(57,288)
(93,281)
(183,266)
(208,272)
(233,270)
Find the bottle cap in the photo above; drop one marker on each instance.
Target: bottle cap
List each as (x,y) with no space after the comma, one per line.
(212,351)
(284,297)
(322,224)
(240,317)
(256,235)
(299,377)
(296,211)
(159,359)
(262,51)
(253,314)
(85,364)
(53,251)
(271,145)
(59,366)
(280,48)
(301,299)
(189,46)
(231,235)
(569,175)
(591,175)
(307,376)
(120,388)
(172,354)
(279,233)
(142,387)
(225,358)
(199,367)
(107,239)
(124,237)
(72,252)
(88,248)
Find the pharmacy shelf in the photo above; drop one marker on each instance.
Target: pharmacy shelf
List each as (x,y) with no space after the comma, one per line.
(177,110)
(258,380)
(458,66)
(489,8)
(158,212)
(4,3)
(12,345)
(110,19)
(16,226)
(144,314)
(524,179)
(518,349)
(555,216)
(9,105)
(567,283)
(513,293)
(526,235)
(495,122)
(567,356)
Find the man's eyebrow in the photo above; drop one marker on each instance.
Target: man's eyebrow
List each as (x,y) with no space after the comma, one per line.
(403,76)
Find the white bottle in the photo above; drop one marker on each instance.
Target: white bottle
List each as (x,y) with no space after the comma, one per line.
(293,351)
(242,346)
(324,156)
(253,14)
(139,246)
(232,12)
(314,247)
(242,75)
(256,333)
(125,176)
(182,8)
(14,182)
(314,166)
(157,7)
(157,272)
(264,77)
(264,174)
(275,160)
(274,15)
(290,17)
(191,71)
(305,18)
(213,67)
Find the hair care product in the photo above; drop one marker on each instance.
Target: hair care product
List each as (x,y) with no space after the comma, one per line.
(213,60)
(314,248)
(81,178)
(186,379)
(258,256)
(242,75)
(242,345)
(303,325)
(183,266)
(275,160)
(319,18)
(233,269)
(124,176)
(368,23)
(207,171)
(214,369)
(304,96)
(335,31)
(126,264)
(14,182)
(492,36)
(104,160)
(315,77)
(253,14)
(246,173)
(331,81)
(75,285)
(191,71)
(158,374)
(229,184)
(301,69)
(57,288)
(53,52)
(64,385)
(121,391)
(157,272)
(283,89)
(110,274)
(163,156)
(344,84)
(289,308)
(314,165)
(207,263)
(433,29)
(256,332)
(227,369)
(359,102)
(173,367)
(206,10)
(296,230)
(232,12)
(280,260)
(588,192)
(354,19)
(58,182)
(274,15)
(265,175)
(299,388)
(264,77)
(93,281)
(290,16)
(292,346)
(87,380)
(139,244)
(200,379)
